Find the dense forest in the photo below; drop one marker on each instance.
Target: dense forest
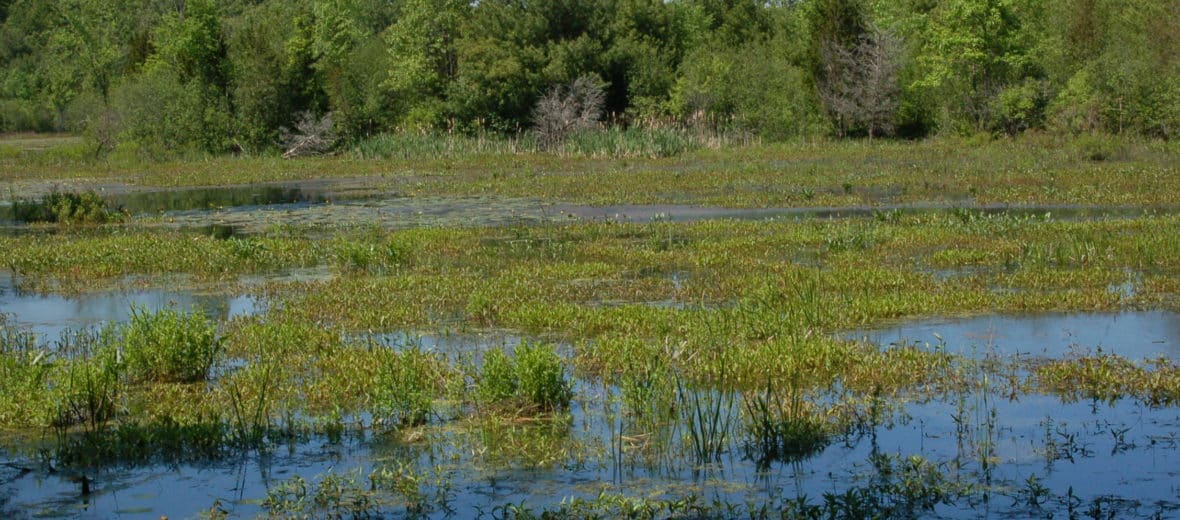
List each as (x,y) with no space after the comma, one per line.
(158,76)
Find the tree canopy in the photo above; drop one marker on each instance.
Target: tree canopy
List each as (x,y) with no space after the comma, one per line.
(161,75)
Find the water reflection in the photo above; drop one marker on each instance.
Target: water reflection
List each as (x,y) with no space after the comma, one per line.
(1131,334)
(216,198)
(48,315)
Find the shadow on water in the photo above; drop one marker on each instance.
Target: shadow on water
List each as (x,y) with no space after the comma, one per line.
(216,198)
(1131,334)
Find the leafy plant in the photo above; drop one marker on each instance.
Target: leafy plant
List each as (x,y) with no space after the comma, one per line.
(532,381)
(406,385)
(169,346)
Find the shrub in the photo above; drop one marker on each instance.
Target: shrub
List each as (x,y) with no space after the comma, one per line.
(169,346)
(566,109)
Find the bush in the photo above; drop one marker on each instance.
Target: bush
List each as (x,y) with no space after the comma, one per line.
(497,381)
(567,109)
(169,346)
(1099,147)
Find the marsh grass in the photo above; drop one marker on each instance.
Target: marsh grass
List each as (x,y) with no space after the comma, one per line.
(781,426)
(1110,377)
(708,417)
(169,345)
(24,369)
(249,392)
(721,337)
(407,384)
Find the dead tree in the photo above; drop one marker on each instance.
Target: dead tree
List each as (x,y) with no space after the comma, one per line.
(566,109)
(859,82)
(311,136)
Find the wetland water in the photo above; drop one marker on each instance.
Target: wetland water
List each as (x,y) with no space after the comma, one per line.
(404,212)
(367,201)
(1022,456)
(1136,335)
(48,315)
(1122,456)
(1118,458)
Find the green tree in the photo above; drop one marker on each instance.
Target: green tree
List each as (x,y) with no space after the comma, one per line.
(972,51)
(424,58)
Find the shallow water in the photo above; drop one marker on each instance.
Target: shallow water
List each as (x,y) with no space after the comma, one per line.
(1122,453)
(684,213)
(1131,334)
(401,212)
(49,315)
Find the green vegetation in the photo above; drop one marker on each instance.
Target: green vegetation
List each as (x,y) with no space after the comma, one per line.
(653,347)
(169,346)
(65,208)
(532,381)
(203,76)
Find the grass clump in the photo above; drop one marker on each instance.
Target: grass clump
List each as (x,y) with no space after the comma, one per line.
(406,385)
(169,346)
(1109,377)
(533,381)
(65,208)
(87,387)
(781,427)
(24,369)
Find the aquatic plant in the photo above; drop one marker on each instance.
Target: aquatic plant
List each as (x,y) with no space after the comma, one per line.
(532,381)
(86,391)
(780,426)
(1110,377)
(250,393)
(24,370)
(406,385)
(708,416)
(168,345)
(65,208)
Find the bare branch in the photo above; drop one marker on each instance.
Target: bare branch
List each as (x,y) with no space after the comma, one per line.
(566,109)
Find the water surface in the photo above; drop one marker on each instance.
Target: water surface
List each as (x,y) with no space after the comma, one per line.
(1132,334)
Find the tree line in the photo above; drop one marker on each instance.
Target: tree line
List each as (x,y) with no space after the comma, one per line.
(163,75)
